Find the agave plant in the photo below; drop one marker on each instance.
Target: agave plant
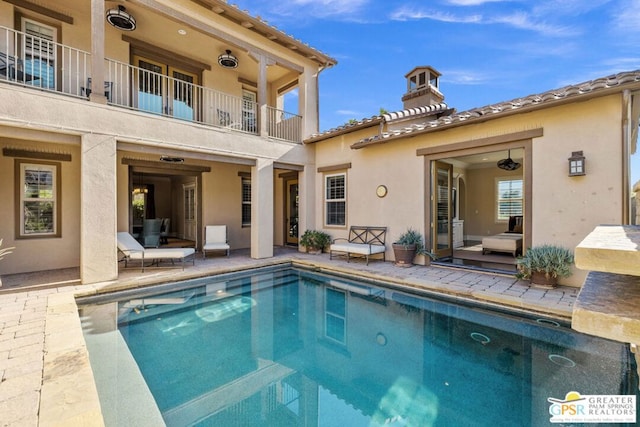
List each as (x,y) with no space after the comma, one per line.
(553,261)
(413,237)
(5,251)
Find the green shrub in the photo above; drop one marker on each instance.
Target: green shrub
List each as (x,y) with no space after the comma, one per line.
(553,261)
(315,240)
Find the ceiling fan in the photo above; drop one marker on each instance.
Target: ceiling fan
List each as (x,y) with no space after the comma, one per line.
(508,164)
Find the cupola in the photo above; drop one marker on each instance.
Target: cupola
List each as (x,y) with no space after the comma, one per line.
(422,87)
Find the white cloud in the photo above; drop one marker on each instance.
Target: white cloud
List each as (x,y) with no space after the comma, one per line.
(463,77)
(473,2)
(319,8)
(406,14)
(520,20)
(350,113)
(627,16)
(525,21)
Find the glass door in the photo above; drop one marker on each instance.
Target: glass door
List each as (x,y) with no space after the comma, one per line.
(182,94)
(150,86)
(291,209)
(441,212)
(190,220)
(163,89)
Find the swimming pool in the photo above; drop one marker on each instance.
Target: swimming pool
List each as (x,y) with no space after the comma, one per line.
(291,347)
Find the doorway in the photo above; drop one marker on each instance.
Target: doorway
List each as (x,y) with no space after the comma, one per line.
(472,200)
(442,208)
(291,211)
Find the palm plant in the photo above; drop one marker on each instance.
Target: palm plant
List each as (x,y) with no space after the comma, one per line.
(5,251)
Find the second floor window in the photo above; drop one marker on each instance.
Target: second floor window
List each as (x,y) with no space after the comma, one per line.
(509,198)
(246,202)
(336,199)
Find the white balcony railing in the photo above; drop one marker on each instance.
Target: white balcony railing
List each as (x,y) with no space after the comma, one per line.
(40,63)
(36,62)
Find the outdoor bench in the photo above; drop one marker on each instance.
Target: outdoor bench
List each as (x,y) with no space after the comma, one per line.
(363,241)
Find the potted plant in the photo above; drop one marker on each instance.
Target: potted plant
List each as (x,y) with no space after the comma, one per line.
(407,246)
(315,241)
(542,265)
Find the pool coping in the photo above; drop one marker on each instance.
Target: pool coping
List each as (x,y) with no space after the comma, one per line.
(69,394)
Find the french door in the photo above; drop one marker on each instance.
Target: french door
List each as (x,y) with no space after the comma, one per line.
(190,209)
(441,209)
(163,89)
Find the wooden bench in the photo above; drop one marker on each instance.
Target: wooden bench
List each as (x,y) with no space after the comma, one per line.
(362,241)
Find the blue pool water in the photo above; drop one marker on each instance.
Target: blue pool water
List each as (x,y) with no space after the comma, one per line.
(289,347)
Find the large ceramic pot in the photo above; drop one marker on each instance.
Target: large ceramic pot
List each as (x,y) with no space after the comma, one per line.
(404,254)
(541,280)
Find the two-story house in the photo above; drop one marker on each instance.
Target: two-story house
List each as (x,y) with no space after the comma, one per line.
(115,111)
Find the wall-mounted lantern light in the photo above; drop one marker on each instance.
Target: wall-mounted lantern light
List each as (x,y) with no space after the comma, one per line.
(577,164)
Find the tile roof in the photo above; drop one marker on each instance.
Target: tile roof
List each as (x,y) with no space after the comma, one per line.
(598,87)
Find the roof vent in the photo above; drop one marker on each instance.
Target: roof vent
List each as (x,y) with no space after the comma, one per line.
(119,18)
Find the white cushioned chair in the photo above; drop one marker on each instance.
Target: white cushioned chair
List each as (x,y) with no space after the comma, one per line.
(215,239)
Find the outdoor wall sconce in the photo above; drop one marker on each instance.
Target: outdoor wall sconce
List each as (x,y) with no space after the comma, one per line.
(119,18)
(227,60)
(577,164)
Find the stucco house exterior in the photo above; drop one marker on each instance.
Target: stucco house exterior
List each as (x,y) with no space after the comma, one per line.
(436,170)
(113,112)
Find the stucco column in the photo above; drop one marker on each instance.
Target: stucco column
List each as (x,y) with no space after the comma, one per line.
(97,52)
(262,209)
(98,199)
(262,95)
(307,201)
(308,101)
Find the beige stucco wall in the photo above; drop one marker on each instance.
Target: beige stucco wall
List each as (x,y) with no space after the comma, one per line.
(46,253)
(565,209)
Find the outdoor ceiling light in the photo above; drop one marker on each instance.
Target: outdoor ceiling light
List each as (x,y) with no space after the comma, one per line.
(508,164)
(119,18)
(227,60)
(577,164)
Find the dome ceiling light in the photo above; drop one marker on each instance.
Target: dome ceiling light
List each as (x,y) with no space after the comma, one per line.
(227,60)
(119,18)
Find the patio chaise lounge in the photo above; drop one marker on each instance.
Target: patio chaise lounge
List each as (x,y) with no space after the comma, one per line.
(133,250)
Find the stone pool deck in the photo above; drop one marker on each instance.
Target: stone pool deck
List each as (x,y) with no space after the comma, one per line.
(45,376)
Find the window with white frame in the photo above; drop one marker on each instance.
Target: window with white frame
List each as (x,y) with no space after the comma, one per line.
(40,53)
(39,199)
(246,202)
(509,198)
(335,315)
(336,199)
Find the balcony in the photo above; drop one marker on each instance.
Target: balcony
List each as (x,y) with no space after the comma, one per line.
(41,64)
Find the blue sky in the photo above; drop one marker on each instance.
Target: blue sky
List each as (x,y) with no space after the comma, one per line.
(488,51)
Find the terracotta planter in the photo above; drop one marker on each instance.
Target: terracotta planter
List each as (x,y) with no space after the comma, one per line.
(314,251)
(540,280)
(404,255)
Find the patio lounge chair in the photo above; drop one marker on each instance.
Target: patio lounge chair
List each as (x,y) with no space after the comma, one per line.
(133,250)
(215,239)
